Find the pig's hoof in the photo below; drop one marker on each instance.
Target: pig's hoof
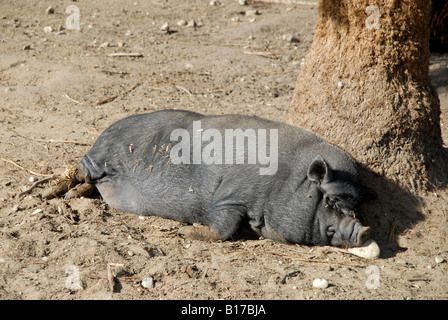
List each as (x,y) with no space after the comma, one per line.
(61,185)
(81,190)
(199,232)
(369,250)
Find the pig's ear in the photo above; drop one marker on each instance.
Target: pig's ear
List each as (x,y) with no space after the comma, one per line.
(318,170)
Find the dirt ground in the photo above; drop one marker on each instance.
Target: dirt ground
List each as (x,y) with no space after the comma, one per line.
(59,90)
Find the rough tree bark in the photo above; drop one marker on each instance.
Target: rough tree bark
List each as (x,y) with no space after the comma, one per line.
(365,87)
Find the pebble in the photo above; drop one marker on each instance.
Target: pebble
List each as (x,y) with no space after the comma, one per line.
(191,23)
(242,2)
(27,47)
(340,84)
(440,260)
(215,3)
(148,283)
(37,211)
(48,29)
(181,23)
(50,10)
(320,283)
(165,27)
(15,208)
(290,38)
(251,13)
(368,250)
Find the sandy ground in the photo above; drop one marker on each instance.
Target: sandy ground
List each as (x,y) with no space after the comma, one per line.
(59,90)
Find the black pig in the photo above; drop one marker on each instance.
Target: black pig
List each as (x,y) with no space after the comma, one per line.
(217,172)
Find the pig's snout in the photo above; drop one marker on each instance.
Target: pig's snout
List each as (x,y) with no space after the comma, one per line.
(349,233)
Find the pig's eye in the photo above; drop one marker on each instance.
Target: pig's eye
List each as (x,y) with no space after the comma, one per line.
(332,204)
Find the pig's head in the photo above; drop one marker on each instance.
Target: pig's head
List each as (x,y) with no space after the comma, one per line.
(340,197)
(338,188)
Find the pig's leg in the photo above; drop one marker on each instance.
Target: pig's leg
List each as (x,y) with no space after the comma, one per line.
(223,224)
(81,190)
(199,232)
(68,180)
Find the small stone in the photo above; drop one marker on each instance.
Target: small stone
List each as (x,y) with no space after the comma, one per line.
(37,211)
(290,38)
(191,23)
(251,13)
(32,179)
(320,283)
(148,283)
(215,3)
(340,84)
(165,27)
(15,208)
(105,45)
(50,10)
(48,29)
(242,2)
(181,23)
(440,259)
(27,47)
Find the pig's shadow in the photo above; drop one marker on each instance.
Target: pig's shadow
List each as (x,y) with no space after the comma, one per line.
(393,212)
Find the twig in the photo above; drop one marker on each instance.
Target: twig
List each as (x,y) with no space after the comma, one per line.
(293,256)
(111,72)
(303,3)
(159,89)
(265,54)
(12,65)
(28,170)
(209,44)
(125,54)
(184,89)
(110,99)
(34,185)
(393,226)
(51,140)
(66,95)
(419,279)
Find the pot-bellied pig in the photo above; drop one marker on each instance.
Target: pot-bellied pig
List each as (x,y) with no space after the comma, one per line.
(217,172)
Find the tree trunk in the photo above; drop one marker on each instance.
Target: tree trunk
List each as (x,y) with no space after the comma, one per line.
(365,87)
